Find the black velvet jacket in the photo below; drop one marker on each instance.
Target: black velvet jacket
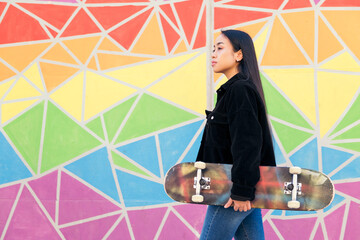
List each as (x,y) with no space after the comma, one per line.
(237,132)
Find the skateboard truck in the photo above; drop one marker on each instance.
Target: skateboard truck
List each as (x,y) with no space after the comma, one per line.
(200,182)
(293,188)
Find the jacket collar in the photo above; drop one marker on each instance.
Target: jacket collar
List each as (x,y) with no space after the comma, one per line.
(236,77)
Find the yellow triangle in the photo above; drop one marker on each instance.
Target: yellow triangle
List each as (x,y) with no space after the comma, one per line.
(5,86)
(108,45)
(144,74)
(107,61)
(10,110)
(186,86)
(34,76)
(151,42)
(260,41)
(82,47)
(221,81)
(335,93)
(70,96)
(22,89)
(181,48)
(59,54)
(343,62)
(298,85)
(102,93)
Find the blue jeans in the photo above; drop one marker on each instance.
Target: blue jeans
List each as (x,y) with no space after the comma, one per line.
(225,223)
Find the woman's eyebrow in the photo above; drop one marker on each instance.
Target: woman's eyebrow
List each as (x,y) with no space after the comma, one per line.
(219,43)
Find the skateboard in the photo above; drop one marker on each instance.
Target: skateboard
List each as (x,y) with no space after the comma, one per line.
(284,188)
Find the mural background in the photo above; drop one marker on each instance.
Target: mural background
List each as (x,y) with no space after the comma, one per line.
(100,98)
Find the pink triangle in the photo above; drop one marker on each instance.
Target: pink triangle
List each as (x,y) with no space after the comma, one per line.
(269,231)
(352,230)
(193,214)
(145,223)
(333,222)
(7,199)
(351,189)
(120,232)
(77,201)
(303,229)
(29,221)
(171,232)
(319,234)
(45,189)
(90,230)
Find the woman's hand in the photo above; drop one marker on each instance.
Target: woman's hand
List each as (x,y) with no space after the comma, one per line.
(239,205)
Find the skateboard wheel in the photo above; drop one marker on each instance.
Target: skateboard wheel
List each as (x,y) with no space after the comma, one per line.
(200,165)
(197,198)
(295,170)
(294,204)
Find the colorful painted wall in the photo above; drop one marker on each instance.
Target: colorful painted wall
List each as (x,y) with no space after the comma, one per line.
(100,98)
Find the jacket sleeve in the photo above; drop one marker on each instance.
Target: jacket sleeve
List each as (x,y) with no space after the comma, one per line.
(246,141)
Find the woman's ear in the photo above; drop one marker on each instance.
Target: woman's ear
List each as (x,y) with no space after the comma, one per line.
(239,55)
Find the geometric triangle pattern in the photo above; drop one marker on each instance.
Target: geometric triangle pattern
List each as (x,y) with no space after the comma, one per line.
(98,99)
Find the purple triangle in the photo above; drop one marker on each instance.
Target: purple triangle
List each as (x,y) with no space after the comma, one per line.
(145,223)
(7,199)
(90,230)
(120,232)
(194,214)
(353,224)
(269,231)
(77,201)
(171,232)
(303,229)
(29,221)
(45,189)
(333,222)
(351,189)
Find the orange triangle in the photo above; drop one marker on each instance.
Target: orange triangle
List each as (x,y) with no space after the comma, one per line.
(59,54)
(92,64)
(281,48)
(328,44)
(55,74)
(21,56)
(82,47)
(107,61)
(5,72)
(302,24)
(108,45)
(181,48)
(252,29)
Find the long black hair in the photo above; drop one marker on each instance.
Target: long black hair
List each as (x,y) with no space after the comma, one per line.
(248,66)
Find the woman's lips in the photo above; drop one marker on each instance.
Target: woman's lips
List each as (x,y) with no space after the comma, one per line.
(213,63)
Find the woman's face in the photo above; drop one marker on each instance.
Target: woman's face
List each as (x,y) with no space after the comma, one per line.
(224,59)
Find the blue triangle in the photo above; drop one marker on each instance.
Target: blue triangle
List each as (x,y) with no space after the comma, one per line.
(143,152)
(332,158)
(194,150)
(96,170)
(297,213)
(337,199)
(174,142)
(277,212)
(352,170)
(278,154)
(138,192)
(11,166)
(307,156)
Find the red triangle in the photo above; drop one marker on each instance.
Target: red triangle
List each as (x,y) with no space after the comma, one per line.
(273,4)
(297,4)
(201,34)
(126,33)
(169,12)
(81,24)
(188,12)
(110,16)
(16,26)
(341,3)
(225,17)
(113,1)
(170,34)
(2,6)
(56,15)
(53,33)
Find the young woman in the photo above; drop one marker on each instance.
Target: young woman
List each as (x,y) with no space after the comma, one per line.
(237,132)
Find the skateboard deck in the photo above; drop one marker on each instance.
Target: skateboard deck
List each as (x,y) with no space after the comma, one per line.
(211,184)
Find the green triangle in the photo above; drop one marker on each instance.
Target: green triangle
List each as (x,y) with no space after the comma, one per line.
(123,163)
(352,133)
(115,116)
(289,137)
(96,126)
(152,114)
(351,116)
(352,145)
(25,133)
(279,107)
(64,139)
